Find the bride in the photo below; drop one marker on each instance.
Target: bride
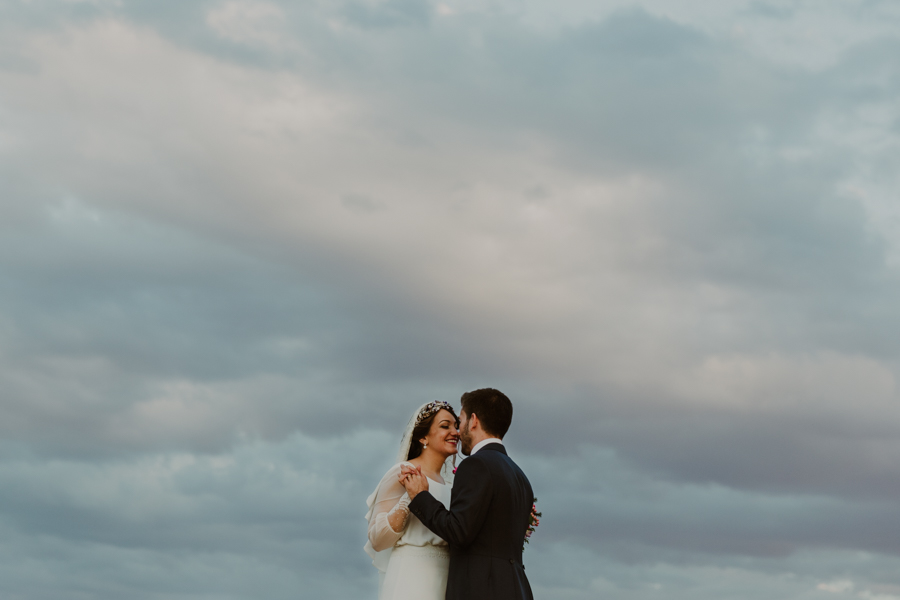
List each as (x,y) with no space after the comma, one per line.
(413,561)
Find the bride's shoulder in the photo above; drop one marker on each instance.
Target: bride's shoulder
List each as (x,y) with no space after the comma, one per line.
(395,470)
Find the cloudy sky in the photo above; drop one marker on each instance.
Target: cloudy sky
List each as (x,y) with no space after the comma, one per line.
(242,240)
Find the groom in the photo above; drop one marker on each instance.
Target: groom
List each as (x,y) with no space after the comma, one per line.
(490,506)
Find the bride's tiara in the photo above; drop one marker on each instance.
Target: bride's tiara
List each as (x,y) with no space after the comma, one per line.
(431,408)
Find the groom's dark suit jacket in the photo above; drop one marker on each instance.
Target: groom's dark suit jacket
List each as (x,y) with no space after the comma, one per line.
(490,510)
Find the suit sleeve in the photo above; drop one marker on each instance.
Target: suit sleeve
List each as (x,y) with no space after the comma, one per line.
(468,506)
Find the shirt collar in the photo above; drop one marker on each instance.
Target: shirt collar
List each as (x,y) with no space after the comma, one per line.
(484,443)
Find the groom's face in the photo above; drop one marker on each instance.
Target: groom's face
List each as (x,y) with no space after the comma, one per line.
(465,436)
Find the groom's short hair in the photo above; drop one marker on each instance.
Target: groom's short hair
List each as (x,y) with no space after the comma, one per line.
(493,408)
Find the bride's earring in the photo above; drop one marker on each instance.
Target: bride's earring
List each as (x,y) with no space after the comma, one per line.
(424,445)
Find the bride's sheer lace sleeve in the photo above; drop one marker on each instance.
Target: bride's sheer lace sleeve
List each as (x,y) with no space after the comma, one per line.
(389,513)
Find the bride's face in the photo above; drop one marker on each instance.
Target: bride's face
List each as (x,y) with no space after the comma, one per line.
(443,435)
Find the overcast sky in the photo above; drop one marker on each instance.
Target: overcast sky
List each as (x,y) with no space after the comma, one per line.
(241,241)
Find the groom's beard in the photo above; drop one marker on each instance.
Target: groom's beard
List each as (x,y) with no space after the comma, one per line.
(465,441)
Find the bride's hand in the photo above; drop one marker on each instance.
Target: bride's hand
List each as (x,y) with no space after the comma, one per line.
(408,469)
(405,471)
(414,482)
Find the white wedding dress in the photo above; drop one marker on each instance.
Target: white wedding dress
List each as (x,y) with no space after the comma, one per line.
(413,561)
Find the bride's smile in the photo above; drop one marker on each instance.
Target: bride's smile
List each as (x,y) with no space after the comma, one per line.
(443,436)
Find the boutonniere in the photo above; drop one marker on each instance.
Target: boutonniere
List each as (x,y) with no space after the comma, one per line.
(534,521)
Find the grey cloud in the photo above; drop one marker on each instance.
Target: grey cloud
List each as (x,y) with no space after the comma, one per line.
(392,13)
(108,317)
(240,503)
(757,239)
(313,225)
(361,203)
(770,10)
(601,502)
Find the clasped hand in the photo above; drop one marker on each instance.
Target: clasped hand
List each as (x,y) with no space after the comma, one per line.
(412,479)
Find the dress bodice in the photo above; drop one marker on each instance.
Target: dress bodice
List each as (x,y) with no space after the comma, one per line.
(416,533)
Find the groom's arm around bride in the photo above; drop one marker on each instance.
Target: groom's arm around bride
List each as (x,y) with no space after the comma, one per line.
(490,507)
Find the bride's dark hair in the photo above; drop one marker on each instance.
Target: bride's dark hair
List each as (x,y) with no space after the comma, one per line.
(422,429)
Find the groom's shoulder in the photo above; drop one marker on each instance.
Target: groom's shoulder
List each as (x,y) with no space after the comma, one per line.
(491,454)
(498,458)
(473,465)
